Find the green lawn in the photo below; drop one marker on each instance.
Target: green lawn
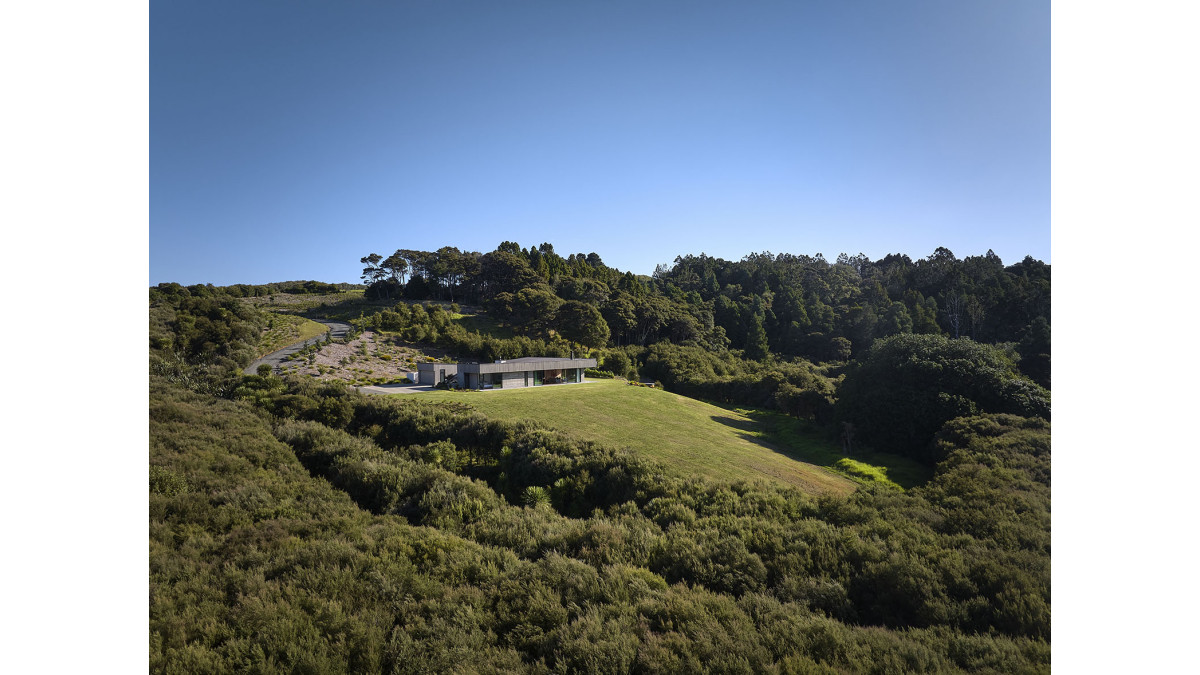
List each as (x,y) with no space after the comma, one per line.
(689,437)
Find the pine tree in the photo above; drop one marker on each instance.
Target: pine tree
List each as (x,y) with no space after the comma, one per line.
(756,339)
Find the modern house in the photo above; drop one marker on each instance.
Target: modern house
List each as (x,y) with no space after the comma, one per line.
(531,371)
(436,373)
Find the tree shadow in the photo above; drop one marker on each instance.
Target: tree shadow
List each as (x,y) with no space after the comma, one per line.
(803,441)
(756,431)
(744,425)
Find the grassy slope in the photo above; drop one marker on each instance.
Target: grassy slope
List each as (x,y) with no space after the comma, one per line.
(808,444)
(289,329)
(483,324)
(688,436)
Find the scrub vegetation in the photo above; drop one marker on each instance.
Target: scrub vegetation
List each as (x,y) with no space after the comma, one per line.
(364,359)
(296,525)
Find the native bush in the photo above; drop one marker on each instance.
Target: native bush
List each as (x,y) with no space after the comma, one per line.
(910,385)
(543,550)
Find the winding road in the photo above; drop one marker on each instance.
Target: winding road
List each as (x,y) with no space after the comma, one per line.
(339,328)
(274,359)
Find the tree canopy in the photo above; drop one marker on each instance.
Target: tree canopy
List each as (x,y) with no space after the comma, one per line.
(766,308)
(782,304)
(910,385)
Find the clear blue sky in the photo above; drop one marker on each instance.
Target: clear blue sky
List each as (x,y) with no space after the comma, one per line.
(290,138)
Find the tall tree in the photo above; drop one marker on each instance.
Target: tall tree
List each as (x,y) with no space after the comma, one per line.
(756,339)
(372,272)
(504,272)
(975,313)
(895,320)
(448,268)
(582,323)
(955,309)
(621,317)
(535,308)
(396,266)
(653,312)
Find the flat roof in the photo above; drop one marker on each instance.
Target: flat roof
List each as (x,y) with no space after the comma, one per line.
(525,363)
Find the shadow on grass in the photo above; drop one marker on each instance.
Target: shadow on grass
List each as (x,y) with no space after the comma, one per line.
(741,425)
(804,441)
(807,448)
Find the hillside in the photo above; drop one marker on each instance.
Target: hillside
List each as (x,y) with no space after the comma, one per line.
(297,525)
(689,437)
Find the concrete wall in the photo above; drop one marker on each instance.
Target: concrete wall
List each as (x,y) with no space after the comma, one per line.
(515,380)
(431,373)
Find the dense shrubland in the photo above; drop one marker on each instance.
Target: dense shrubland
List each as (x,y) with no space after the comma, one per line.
(277,538)
(296,525)
(495,462)
(201,337)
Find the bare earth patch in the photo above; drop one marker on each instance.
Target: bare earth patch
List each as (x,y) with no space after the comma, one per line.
(368,358)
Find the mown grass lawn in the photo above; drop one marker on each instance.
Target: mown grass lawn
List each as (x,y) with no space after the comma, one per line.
(808,443)
(688,436)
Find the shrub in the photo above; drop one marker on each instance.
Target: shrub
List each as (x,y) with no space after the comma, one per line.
(535,496)
(166,482)
(866,472)
(616,362)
